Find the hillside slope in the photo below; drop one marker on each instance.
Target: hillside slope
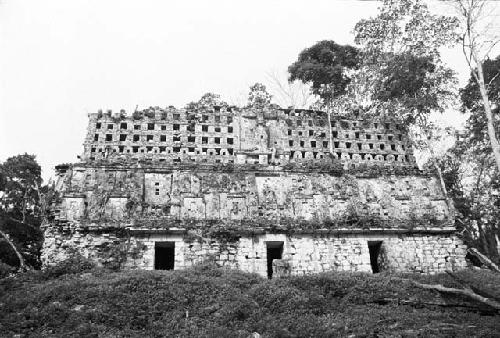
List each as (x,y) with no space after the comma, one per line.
(210,302)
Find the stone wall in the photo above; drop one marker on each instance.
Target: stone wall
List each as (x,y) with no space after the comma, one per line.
(301,253)
(274,196)
(242,186)
(222,135)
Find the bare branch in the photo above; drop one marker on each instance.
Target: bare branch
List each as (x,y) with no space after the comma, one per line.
(290,94)
(493,79)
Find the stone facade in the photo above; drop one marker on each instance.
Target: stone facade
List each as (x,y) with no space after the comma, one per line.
(268,191)
(225,135)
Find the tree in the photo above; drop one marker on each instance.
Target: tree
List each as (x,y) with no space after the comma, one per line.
(258,97)
(472,180)
(295,94)
(478,40)
(21,181)
(412,87)
(407,78)
(207,101)
(470,169)
(326,66)
(401,57)
(20,211)
(472,101)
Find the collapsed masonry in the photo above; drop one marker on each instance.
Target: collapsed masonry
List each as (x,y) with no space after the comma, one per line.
(270,191)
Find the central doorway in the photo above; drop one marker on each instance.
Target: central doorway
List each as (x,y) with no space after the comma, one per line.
(164,255)
(274,251)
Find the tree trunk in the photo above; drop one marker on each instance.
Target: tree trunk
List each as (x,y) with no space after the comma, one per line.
(22,264)
(24,204)
(464,292)
(484,259)
(449,203)
(483,238)
(495,145)
(497,244)
(328,114)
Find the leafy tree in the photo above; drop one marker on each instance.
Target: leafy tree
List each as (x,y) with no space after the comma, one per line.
(472,101)
(327,66)
(22,179)
(207,101)
(258,97)
(473,183)
(402,62)
(20,211)
(470,170)
(403,26)
(478,38)
(401,55)
(412,87)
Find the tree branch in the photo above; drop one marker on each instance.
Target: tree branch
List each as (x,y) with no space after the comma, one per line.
(485,260)
(22,264)
(463,292)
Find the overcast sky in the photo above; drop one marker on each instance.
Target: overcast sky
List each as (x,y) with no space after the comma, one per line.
(60,60)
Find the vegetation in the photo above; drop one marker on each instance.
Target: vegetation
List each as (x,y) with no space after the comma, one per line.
(324,65)
(478,38)
(206,301)
(258,97)
(396,72)
(207,101)
(22,210)
(470,171)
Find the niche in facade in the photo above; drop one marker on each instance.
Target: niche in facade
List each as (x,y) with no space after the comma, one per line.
(274,251)
(164,255)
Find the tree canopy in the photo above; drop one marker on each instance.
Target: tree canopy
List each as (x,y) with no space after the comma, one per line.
(20,177)
(258,96)
(207,101)
(326,65)
(471,175)
(402,60)
(470,94)
(20,211)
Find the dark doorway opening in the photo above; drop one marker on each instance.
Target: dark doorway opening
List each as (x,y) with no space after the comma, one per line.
(164,255)
(274,251)
(375,248)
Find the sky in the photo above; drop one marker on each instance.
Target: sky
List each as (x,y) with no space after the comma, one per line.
(61,60)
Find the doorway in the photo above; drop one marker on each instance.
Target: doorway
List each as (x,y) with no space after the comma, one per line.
(375,248)
(164,255)
(274,251)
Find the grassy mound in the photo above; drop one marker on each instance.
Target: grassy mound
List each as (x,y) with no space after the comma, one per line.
(210,302)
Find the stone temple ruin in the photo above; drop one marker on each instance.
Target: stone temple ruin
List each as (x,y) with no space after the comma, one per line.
(270,191)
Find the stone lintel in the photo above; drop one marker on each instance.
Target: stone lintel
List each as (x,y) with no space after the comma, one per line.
(372,231)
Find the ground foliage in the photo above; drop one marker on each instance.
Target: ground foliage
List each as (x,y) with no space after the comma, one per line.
(206,301)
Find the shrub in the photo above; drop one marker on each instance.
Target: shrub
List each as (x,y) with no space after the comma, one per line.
(76,263)
(210,301)
(6,270)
